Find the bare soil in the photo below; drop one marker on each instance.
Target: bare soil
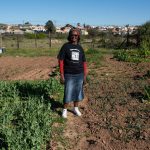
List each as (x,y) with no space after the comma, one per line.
(114,114)
(26,68)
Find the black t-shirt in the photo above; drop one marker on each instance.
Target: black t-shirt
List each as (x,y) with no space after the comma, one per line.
(73,56)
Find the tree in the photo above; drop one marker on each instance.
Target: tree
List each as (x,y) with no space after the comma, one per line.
(3,26)
(93,32)
(127,44)
(78,25)
(27,23)
(144,32)
(49,26)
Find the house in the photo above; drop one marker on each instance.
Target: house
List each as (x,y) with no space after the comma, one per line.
(84,32)
(30,31)
(38,28)
(18,32)
(2,31)
(59,30)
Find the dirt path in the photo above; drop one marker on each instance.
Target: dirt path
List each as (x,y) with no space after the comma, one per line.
(78,132)
(97,128)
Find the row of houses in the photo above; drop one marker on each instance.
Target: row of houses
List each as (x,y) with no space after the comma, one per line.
(21,29)
(28,28)
(67,27)
(120,30)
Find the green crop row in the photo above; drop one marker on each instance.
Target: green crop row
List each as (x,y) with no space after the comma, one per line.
(133,55)
(94,56)
(26,115)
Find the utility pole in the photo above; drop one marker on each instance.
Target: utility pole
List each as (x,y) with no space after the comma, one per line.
(35,39)
(17,36)
(138,38)
(127,44)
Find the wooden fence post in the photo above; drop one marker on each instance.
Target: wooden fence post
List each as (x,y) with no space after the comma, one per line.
(35,40)
(18,41)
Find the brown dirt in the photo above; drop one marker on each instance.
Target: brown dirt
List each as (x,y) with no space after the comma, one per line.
(26,68)
(114,116)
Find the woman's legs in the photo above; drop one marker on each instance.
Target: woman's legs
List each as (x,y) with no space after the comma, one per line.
(76,104)
(66,105)
(73,90)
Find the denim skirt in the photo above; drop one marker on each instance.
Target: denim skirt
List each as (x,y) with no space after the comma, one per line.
(73,90)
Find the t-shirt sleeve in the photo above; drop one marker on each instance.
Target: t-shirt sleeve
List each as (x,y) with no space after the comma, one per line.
(61,55)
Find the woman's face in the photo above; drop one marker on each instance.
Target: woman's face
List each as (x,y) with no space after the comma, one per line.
(74,37)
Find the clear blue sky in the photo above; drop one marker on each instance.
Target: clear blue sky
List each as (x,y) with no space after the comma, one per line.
(92,12)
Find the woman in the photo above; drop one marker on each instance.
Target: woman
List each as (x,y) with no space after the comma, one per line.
(73,71)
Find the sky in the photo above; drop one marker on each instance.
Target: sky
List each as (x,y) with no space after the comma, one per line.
(89,12)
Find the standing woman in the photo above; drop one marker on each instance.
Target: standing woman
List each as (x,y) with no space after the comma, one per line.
(73,71)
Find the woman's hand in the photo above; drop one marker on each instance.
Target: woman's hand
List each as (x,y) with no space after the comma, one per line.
(84,80)
(62,79)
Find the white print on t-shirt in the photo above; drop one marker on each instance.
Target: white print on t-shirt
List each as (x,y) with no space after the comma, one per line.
(75,55)
(74,50)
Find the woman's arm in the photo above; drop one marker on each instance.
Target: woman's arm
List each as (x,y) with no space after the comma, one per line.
(85,70)
(61,70)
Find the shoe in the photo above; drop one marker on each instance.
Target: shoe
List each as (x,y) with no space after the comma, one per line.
(76,111)
(64,113)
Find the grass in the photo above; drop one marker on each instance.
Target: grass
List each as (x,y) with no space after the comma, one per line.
(27,47)
(11,43)
(31,52)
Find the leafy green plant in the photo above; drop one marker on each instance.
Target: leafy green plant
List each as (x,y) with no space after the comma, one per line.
(131,56)
(94,56)
(26,114)
(121,55)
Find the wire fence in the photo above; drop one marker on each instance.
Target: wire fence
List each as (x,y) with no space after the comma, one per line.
(107,40)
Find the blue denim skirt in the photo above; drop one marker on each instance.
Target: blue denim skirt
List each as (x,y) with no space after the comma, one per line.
(73,90)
